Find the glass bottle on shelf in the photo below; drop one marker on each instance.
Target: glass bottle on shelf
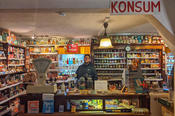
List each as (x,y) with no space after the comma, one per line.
(130,39)
(142,39)
(146,39)
(63,87)
(149,39)
(73,60)
(136,40)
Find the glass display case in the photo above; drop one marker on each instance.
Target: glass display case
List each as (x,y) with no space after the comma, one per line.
(111,104)
(68,63)
(170,64)
(88,104)
(120,103)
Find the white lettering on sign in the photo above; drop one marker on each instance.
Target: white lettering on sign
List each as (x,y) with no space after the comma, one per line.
(101,85)
(135,7)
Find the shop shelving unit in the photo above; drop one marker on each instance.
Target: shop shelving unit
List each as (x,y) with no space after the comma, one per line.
(14,57)
(109,62)
(40,52)
(44,50)
(13,65)
(149,54)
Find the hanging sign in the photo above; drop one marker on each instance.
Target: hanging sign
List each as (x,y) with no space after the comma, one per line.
(129,7)
(61,50)
(72,47)
(85,50)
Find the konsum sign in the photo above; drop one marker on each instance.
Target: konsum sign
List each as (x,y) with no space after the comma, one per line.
(124,7)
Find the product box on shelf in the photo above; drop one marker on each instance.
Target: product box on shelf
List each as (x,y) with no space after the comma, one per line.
(33,107)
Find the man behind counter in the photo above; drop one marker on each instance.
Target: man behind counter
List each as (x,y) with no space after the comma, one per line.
(87,69)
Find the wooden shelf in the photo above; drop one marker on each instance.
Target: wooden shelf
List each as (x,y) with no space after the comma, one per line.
(5,111)
(8,73)
(109,63)
(110,58)
(145,63)
(47,45)
(3,42)
(134,44)
(16,64)
(16,59)
(8,99)
(150,68)
(150,63)
(2,58)
(78,45)
(140,52)
(108,52)
(31,83)
(112,74)
(9,86)
(64,81)
(109,68)
(18,46)
(150,73)
(53,62)
(43,53)
(142,58)
(53,70)
(153,79)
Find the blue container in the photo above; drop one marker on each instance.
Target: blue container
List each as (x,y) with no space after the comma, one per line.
(85,106)
(48,106)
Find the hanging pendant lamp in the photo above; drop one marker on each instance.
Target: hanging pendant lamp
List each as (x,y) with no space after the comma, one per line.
(105,42)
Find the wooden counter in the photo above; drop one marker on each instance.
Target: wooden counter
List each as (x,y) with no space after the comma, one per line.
(84,114)
(144,102)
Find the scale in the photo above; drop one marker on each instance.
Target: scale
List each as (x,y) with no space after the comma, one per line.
(41,65)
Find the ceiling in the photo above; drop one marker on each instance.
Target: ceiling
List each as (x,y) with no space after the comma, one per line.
(170,8)
(83,18)
(75,24)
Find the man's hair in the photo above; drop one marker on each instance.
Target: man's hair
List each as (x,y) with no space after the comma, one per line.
(87,55)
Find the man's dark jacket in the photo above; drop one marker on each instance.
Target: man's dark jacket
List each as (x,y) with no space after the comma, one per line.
(86,69)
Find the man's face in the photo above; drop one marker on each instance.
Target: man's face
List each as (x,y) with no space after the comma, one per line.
(87,59)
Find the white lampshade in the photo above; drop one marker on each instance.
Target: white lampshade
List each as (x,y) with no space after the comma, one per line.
(105,43)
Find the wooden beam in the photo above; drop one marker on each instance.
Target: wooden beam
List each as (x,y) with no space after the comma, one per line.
(168,37)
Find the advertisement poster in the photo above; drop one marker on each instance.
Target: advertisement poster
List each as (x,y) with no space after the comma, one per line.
(72,47)
(33,107)
(48,106)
